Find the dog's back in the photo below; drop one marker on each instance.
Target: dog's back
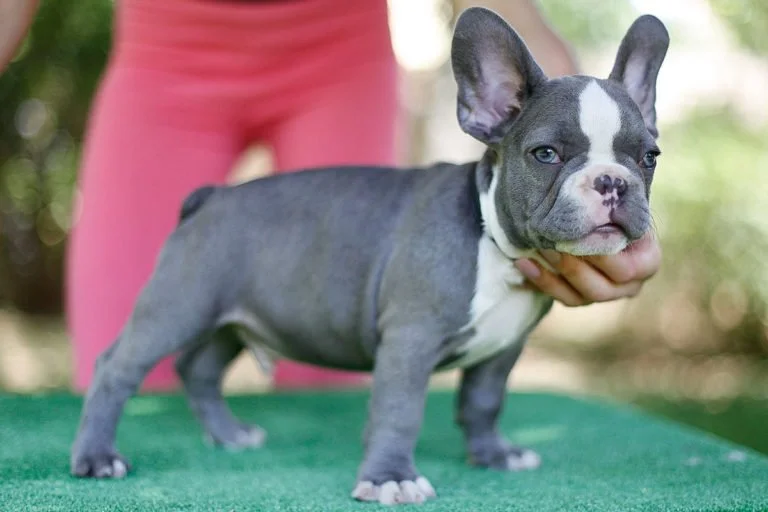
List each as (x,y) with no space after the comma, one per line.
(265,231)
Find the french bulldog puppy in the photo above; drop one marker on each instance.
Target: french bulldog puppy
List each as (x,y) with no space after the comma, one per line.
(402,272)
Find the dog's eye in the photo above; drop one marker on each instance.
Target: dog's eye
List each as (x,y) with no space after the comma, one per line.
(546,155)
(649,159)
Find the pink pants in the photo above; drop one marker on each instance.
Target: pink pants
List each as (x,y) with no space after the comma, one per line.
(189,85)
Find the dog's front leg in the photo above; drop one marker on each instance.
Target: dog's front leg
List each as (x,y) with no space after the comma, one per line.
(401,374)
(481,397)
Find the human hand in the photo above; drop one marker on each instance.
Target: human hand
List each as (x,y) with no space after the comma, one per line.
(16,17)
(582,281)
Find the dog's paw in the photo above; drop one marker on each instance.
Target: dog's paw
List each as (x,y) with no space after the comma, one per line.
(238,437)
(506,457)
(394,493)
(108,464)
(521,459)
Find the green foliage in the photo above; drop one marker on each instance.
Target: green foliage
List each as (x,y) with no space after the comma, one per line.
(588,24)
(748,19)
(710,203)
(45,95)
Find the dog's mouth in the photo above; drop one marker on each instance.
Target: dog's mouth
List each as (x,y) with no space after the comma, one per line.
(608,229)
(608,238)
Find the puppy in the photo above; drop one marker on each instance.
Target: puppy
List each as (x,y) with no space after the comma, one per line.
(402,272)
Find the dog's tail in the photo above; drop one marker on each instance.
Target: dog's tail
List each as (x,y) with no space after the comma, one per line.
(195,200)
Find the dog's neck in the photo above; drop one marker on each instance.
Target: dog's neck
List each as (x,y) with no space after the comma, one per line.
(487,174)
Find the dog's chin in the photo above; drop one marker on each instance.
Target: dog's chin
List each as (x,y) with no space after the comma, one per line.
(602,241)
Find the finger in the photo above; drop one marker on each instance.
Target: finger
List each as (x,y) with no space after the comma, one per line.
(637,262)
(594,292)
(549,283)
(591,283)
(647,256)
(587,281)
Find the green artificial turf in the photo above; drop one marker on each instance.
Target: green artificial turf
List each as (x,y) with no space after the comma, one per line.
(595,457)
(743,420)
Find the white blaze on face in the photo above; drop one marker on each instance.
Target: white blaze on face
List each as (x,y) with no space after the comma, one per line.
(600,120)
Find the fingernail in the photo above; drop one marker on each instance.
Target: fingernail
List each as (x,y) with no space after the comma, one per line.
(528,268)
(552,257)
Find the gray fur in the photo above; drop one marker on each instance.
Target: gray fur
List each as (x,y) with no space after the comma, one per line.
(480,400)
(637,65)
(380,269)
(201,369)
(491,89)
(531,207)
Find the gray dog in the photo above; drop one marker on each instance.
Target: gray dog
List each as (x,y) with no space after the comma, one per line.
(402,272)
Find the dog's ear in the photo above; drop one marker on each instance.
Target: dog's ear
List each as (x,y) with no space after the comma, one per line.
(637,65)
(494,71)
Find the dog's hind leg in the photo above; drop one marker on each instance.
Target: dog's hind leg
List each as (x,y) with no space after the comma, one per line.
(164,321)
(201,370)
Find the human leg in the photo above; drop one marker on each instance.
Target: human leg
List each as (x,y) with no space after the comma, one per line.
(139,163)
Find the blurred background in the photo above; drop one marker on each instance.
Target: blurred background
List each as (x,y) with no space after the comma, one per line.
(693,346)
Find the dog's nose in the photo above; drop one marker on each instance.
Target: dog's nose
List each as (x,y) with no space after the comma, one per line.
(607,184)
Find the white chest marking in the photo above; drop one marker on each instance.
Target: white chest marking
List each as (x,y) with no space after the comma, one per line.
(501,311)
(600,120)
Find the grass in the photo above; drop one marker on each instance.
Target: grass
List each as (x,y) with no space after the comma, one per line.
(596,456)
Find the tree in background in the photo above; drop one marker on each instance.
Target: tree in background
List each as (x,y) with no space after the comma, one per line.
(45,95)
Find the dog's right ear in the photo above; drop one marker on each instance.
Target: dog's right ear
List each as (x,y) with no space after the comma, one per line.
(494,71)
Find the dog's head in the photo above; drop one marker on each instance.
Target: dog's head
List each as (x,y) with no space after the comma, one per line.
(572,158)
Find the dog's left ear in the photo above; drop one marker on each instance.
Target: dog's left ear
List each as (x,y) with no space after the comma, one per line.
(637,65)
(494,71)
